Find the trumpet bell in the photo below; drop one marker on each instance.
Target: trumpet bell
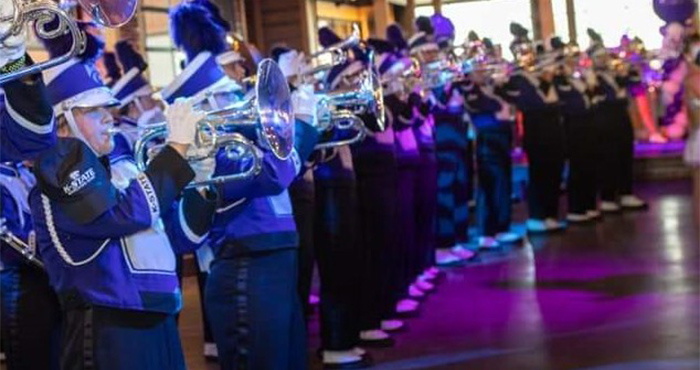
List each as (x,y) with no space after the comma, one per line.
(274,106)
(110,13)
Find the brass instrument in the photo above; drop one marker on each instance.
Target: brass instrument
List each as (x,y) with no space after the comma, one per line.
(27,250)
(339,109)
(263,119)
(334,55)
(109,13)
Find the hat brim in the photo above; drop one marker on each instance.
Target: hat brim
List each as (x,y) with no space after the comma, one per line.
(96,98)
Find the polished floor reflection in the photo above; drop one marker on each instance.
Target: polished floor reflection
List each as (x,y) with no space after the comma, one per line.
(620,294)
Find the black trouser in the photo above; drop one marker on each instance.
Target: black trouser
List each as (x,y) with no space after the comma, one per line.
(201,284)
(105,338)
(581,184)
(615,138)
(407,257)
(544,145)
(253,301)
(493,145)
(426,208)
(376,195)
(302,194)
(335,229)
(31,319)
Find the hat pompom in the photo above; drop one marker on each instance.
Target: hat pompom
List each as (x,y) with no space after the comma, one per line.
(556,44)
(473,36)
(595,37)
(94,46)
(488,44)
(394,34)
(128,57)
(424,24)
(381,46)
(327,37)
(194,30)
(113,71)
(215,13)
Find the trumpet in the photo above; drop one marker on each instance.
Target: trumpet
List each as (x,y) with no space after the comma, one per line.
(27,250)
(339,110)
(264,119)
(331,56)
(109,13)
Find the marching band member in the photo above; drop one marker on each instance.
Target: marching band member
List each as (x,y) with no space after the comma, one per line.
(536,97)
(493,119)
(577,112)
(251,293)
(30,309)
(452,147)
(26,118)
(112,71)
(615,134)
(108,239)
(336,242)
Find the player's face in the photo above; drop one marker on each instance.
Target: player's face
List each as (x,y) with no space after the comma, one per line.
(95,124)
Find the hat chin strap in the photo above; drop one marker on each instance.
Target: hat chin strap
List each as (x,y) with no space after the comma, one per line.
(76,131)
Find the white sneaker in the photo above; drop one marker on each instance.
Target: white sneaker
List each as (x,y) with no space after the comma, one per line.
(593,214)
(554,225)
(210,350)
(508,237)
(374,334)
(314,300)
(488,242)
(433,270)
(536,226)
(424,285)
(445,257)
(359,351)
(427,276)
(577,217)
(406,305)
(632,202)
(414,292)
(392,325)
(462,253)
(609,207)
(341,357)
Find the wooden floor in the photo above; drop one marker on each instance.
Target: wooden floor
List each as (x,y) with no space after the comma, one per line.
(620,294)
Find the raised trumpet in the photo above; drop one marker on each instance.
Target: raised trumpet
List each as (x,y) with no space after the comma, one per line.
(340,109)
(331,56)
(264,119)
(109,13)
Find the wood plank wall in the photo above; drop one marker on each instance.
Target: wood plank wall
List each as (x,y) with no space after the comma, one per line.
(274,22)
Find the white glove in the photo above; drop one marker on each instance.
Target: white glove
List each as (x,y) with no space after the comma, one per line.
(304,103)
(13,47)
(182,121)
(204,169)
(290,63)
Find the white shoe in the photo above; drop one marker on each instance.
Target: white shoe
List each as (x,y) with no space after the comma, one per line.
(488,242)
(359,351)
(445,257)
(341,357)
(424,285)
(632,202)
(536,226)
(406,305)
(415,292)
(462,253)
(608,207)
(576,217)
(374,334)
(554,225)
(2,356)
(508,237)
(392,325)
(433,270)
(426,276)
(593,214)
(210,350)
(314,300)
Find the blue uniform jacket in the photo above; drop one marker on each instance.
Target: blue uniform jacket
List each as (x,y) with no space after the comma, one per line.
(125,258)
(15,184)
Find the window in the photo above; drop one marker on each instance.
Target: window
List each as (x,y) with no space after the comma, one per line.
(488,18)
(163,59)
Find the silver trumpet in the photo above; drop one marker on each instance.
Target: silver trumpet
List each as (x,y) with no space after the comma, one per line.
(264,119)
(109,13)
(27,250)
(339,110)
(331,56)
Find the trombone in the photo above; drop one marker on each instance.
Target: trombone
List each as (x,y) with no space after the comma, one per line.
(264,119)
(109,13)
(27,250)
